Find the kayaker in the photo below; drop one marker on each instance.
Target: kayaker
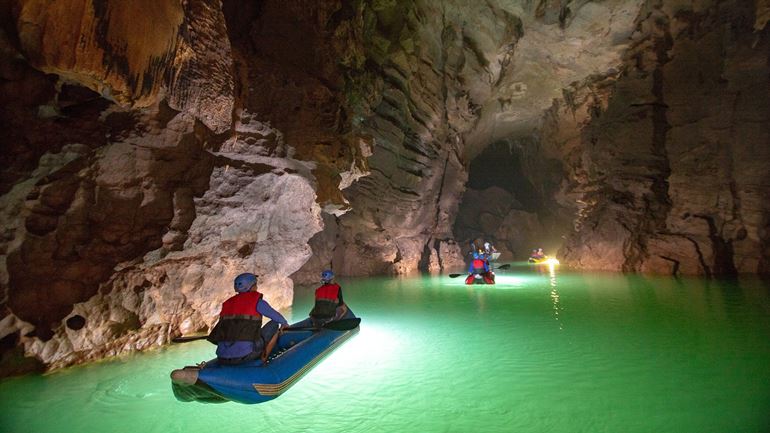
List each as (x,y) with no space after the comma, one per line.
(239,334)
(329,304)
(480,266)
(489,248)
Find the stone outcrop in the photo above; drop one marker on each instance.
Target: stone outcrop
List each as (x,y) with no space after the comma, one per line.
(667,159)
(452,78)
(141,179)
(130,52)
(99,209)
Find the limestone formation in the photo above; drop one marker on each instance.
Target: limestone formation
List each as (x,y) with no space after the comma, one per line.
(667,160)
(130,52)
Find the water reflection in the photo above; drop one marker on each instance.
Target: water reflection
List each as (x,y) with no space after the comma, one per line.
(554,294)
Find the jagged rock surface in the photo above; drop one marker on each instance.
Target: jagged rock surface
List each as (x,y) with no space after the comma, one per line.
(132,51)
(668,159)
(452,78)
(126,210)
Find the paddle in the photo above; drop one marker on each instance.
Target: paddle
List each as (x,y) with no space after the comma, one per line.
(505,266)
(337,325)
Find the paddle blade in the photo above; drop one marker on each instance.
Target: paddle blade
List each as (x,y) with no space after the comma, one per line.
(455,275)
(505,266)
(343,324)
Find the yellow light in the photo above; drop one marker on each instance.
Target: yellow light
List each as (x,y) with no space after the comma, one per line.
(552,261)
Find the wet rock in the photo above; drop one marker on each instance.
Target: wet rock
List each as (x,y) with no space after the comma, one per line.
(179,48)
(668,167)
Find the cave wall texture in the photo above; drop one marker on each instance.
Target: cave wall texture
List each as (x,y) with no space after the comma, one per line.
(152,150)
(670,166)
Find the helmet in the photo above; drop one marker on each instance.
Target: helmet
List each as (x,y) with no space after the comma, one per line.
(327,276)
(244,282)
(476,256)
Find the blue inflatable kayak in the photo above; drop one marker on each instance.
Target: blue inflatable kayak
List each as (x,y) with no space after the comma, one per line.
(295,353)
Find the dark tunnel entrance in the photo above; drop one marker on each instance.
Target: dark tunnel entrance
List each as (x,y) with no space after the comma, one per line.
(509,201)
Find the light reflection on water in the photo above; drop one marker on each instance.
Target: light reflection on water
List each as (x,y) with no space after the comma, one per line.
(542,350)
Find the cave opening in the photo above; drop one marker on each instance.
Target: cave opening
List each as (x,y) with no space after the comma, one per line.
(509,200)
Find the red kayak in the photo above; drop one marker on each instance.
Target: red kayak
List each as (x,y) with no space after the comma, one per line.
(488,278)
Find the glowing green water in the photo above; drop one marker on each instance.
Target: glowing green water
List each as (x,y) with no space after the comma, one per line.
(538,352)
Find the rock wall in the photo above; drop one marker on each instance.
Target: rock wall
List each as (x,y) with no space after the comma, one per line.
(667,158)
(141,177)
(129,52)
(451,78)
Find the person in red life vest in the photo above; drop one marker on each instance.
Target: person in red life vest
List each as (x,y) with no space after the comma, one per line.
(480,267)
(329,304)
(537,256)
(239,334)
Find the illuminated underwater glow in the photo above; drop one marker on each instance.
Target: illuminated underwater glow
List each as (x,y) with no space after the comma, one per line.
(502,281)
(511,280)
(561,353)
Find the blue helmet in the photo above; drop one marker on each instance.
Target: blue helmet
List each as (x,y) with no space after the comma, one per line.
(244,282)
(476,255)
(327,276)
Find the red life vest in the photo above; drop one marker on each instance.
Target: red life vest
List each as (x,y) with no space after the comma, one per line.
(478,265)
(242,304)
(327,299)
(239,319)
(330,292)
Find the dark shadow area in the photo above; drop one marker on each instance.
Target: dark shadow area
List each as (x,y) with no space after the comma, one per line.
(509,200)
(500,167)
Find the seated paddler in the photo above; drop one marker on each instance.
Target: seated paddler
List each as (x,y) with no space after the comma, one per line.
(537,255)
(329,304)
(239,334)
(489,249)
(479,266)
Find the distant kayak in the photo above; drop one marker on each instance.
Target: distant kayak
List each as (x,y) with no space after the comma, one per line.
(295,353)
(544,261)
(480,279)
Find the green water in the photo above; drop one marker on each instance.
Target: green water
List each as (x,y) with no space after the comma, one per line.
(538,352)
